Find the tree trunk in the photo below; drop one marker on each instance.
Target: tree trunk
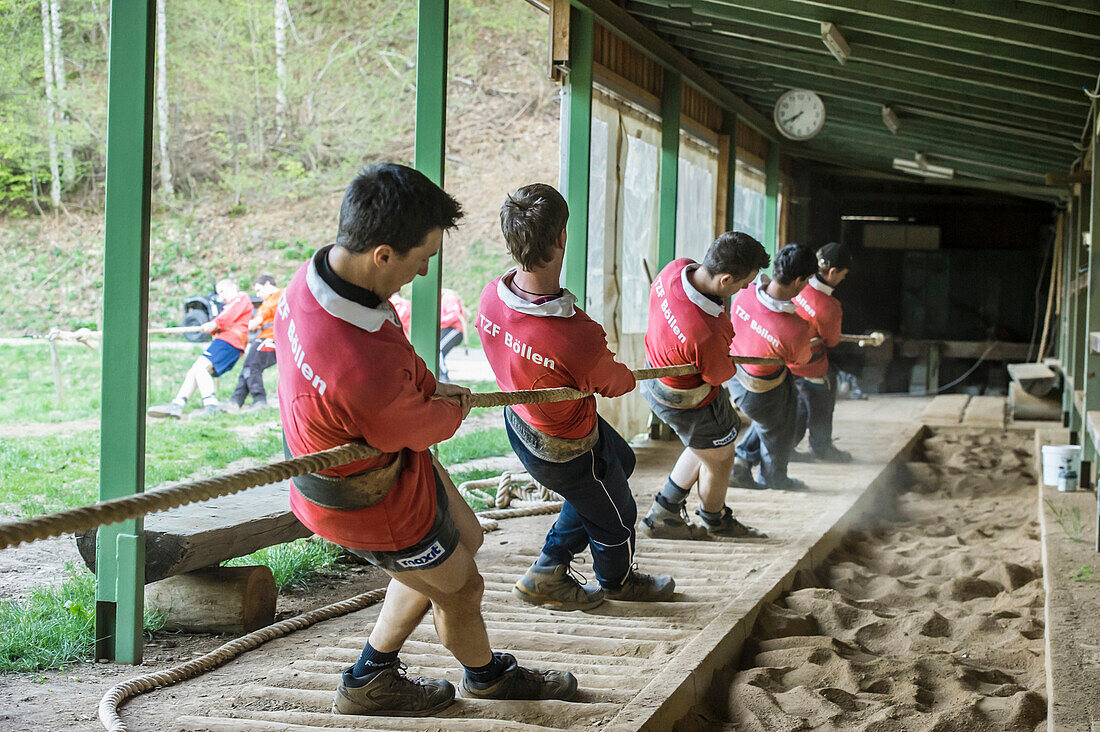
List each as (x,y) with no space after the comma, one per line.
(68,170)
(281,13)
(162,103)
(51,104)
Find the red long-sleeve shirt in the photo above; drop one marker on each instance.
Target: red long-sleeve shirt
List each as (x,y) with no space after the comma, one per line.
(817,306)
(544,344)
(347,373)
(768,328)
(232,322)
(686,326)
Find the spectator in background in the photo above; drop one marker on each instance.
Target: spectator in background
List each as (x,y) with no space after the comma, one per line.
(261,354)
(452,324)
(230,328)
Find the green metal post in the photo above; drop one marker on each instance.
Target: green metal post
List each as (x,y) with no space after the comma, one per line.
(577,139)
(670,167)
(1067,301)
(430,159)
(1091,213)
(729,129)
(120,548)
(771,190)
(1079,323)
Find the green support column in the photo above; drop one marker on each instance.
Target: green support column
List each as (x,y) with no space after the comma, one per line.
(120,548)
(577,138)
(771,190)
(670,168)
(1079,320)
(430,159)
(1067,300)
(729,129)
(1091,214)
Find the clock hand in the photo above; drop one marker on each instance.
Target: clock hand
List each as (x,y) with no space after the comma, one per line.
(792,119)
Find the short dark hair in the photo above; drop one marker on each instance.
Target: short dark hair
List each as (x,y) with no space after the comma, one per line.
(794,262)
(531,220)
(735,253)
(834,255)
(264,280)
(394,205)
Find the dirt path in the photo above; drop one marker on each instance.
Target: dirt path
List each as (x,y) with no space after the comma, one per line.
(930,620)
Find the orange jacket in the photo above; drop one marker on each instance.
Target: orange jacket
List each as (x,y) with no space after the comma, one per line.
(267,316)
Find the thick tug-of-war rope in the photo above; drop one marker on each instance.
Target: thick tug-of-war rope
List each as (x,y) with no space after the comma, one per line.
(163,499)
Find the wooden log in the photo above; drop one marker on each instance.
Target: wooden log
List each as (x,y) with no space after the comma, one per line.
(235,600)
(1034,378)
(1029,406)
(201,534)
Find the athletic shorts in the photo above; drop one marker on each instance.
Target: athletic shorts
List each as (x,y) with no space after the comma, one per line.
(703,428)
(222,355)
(432,550)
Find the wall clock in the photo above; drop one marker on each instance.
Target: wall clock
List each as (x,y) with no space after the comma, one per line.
(799,114)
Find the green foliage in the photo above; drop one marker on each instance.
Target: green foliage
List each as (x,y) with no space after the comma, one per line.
(1083,574)
(474,445)
(294,563)
(1069,518)
(54,627)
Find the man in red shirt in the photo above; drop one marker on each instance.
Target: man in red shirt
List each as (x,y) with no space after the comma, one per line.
(767,325)
(815,381)
(689,323)
(231,329)
(261,354)
(536,337)
(452,328)
(348,374)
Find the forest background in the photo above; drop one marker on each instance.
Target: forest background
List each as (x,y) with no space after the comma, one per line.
(264,110)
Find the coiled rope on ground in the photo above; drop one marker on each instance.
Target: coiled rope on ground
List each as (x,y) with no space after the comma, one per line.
(162,499)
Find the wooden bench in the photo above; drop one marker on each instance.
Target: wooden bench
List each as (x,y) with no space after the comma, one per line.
(203,534)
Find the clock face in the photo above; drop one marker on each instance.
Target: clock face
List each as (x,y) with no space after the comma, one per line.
(799,114)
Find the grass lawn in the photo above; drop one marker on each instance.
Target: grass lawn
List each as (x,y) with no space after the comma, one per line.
(40,474)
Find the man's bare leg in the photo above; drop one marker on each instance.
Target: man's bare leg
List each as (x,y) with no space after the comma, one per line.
(715,465)
(685,473)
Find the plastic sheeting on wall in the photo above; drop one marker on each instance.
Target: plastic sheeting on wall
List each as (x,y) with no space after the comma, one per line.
(638,231)
(695,200)
(750,200)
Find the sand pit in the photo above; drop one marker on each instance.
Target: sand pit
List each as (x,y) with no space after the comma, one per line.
(931,619)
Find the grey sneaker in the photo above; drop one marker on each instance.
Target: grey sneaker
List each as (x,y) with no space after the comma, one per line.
(641,587)
(741,476)
(518,682)
(208,410)
(556,588)
(391,693)
(660,523)
(257,405)
(730,527)
(832,454)
(172,410)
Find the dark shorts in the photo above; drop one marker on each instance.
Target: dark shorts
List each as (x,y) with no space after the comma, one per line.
(439,543)
(702,428)
(222,355)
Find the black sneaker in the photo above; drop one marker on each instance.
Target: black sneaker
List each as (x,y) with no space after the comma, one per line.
(518,682)
(729,527)
(741,477)
(391,693)
(642,587)
(789,484)
(802,457)
(832,455)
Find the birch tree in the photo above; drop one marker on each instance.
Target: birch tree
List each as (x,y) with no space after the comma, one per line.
(51,103)
(68,170)
(162,102)
(281,14)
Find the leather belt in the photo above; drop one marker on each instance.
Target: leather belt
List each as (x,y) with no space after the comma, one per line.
(349,493)
(759,385)
(674,398)
(548,447)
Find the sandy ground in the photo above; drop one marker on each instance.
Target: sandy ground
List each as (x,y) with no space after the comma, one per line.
(930,620)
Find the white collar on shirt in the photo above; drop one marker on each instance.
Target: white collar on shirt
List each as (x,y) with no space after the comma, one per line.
(778,306)
(708,306)
(820,286)
(369,319)
(560,307)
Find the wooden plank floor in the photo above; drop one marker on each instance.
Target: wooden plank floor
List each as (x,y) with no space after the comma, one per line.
(639,665)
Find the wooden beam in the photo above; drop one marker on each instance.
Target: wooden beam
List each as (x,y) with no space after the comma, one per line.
(1060,179)
(559,37)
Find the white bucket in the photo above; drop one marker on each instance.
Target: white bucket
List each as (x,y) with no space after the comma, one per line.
(1056,456)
